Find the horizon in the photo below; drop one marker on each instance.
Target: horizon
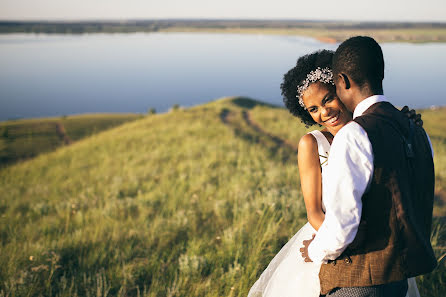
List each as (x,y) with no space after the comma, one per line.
(124,20)
(81,10)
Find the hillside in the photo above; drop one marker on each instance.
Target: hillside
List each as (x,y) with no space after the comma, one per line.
(194,202)
(27,138)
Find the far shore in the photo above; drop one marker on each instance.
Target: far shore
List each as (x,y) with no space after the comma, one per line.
(324,31)
(333,36)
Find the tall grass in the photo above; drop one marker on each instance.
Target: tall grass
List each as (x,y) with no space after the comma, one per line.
(194,202)
(24,139)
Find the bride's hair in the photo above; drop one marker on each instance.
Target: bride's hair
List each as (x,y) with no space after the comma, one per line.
(296,75)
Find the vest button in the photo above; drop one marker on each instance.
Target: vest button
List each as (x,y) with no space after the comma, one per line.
(347,261)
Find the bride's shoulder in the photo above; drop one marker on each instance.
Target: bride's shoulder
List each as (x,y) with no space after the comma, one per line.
(310,138)
(307,143)
(307,152)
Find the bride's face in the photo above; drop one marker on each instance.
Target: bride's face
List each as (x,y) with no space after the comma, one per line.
(325,107)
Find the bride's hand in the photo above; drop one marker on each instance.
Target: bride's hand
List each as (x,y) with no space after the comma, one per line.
(412,115)
(304,249)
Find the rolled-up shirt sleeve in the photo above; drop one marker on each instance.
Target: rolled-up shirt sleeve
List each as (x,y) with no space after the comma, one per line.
(349,172)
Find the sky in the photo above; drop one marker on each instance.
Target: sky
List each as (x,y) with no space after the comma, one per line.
(354,10)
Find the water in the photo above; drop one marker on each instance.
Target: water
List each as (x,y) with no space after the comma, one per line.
(52,75)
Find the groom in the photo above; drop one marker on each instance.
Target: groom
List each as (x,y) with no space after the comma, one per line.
(379,188)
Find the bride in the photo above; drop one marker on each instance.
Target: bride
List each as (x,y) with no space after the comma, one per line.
(309,93)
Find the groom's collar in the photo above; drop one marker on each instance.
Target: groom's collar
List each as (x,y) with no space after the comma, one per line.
(366,103)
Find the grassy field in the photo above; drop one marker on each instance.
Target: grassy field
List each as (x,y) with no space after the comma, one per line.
(194,202)
(24,139)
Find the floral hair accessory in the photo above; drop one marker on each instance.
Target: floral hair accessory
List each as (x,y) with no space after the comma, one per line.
(324,75)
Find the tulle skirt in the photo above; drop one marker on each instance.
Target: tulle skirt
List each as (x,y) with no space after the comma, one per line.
(287,275)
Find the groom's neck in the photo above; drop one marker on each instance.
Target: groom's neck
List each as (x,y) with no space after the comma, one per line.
(368,90)
(365,92)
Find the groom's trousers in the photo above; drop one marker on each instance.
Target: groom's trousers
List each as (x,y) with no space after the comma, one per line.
(395,289)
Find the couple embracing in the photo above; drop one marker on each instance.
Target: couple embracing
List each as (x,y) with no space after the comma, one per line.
(367,179)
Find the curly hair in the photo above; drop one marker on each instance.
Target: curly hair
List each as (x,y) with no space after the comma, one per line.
(296,75)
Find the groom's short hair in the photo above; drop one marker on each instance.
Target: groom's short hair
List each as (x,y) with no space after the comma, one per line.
(362,59)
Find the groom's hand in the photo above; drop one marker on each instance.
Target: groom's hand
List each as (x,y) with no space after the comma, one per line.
(304,249)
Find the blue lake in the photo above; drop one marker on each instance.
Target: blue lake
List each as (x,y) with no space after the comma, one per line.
(51,75)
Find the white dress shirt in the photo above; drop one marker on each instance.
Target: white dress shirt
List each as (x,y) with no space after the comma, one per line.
(348,175)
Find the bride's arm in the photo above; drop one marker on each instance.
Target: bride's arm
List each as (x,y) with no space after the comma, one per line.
(311,179)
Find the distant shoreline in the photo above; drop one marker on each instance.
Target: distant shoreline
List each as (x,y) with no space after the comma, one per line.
(334,36)
(324,31)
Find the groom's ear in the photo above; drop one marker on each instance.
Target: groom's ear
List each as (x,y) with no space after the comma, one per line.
(344,80)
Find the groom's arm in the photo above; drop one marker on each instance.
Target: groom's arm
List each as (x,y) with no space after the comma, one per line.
(349,172)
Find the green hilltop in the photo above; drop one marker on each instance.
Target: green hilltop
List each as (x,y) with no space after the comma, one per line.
(193,202)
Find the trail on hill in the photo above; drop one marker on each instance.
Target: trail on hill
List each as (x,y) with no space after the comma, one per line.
(256,126)
(60,131)
(249,130)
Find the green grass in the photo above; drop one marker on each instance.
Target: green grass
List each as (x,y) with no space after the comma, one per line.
(194,202)
(24,139)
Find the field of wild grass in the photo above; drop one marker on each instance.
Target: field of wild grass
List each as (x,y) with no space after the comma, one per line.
(24,139)
(193,202)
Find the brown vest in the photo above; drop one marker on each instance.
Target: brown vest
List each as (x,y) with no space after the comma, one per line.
(393,239)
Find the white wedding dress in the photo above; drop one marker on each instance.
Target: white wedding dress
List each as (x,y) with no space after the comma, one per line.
(287,275)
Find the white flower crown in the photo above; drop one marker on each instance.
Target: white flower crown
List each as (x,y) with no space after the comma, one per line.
(324,75)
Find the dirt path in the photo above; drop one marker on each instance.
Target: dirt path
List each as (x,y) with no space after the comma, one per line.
(256,126)
(60,131)
(246,128)
(224,116)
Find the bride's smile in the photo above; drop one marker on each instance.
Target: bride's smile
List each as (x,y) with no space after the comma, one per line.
(325,108)
(333,121)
